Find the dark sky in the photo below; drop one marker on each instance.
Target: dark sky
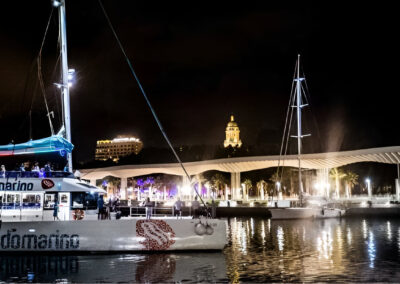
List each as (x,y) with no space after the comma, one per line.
(199,62)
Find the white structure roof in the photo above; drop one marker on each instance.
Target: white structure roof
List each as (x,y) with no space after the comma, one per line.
(388,155)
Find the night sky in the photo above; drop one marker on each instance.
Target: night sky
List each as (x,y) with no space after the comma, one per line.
(199,63)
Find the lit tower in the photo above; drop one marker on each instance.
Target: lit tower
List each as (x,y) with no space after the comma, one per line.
(232,134)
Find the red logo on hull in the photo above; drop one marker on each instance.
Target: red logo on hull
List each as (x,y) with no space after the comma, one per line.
(157,233)
(47,183)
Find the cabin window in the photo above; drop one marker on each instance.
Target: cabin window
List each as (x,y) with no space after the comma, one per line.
(31,201)
(64,198)
(49,200)
(84,200)
(11,201)
(10,198)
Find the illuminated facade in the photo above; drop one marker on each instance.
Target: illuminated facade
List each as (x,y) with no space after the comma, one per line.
(232,134)
(116,148)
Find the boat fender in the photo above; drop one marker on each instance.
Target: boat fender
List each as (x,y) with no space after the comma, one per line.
(200,229)
(78,214)
(209,230)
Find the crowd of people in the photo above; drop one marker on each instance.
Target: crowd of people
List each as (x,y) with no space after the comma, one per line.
(32,167)
(26,168)
(177,207)
(104,209)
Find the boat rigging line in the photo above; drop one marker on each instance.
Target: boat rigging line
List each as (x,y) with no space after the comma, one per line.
(40,75)
(295,102)
(286,132)
(148,102)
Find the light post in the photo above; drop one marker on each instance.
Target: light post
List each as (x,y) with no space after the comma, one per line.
(328,192)
(278,190)
(262,190)
(208,190)
(368,181)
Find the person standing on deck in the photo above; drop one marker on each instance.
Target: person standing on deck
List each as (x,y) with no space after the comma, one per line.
(100,207)
(195,207)
(55,210)
(47,167)
(35,168)
(3,171)
(149,208)
(178,208)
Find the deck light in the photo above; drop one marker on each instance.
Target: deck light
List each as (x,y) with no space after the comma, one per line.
(56,3)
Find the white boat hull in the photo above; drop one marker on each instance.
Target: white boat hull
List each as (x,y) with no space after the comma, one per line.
(304,213)
(113,235)
(330,213)
(292,213)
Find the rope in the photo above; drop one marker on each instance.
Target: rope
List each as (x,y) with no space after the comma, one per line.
(40,75)
(148,102)
(286,131)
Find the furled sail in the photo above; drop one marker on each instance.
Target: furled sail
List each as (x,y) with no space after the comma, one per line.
(55,143)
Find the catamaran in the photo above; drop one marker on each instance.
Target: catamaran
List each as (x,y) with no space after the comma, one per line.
(53,211)
(322,210)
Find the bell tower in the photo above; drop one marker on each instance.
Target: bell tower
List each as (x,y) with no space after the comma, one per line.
(232,133)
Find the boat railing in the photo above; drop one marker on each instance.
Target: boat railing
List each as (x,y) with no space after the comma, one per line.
(36,174)
(156,211)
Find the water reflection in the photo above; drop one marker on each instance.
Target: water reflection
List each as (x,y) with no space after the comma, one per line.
(371,249)
(280,236)
(315,251)
(259,250)
(389,231)
(145,268)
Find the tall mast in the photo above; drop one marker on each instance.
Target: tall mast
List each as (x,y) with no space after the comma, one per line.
(299,135)
(64,70)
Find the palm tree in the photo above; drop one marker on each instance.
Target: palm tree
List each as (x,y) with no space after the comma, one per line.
(218,181)
(113,184)
(351,180)
(261,186)
(200,179)
(337,174)
(274,179)
(209,186)
(247,185)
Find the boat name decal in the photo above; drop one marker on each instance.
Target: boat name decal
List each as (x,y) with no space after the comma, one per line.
(157,234)
(16,186)
(55,241)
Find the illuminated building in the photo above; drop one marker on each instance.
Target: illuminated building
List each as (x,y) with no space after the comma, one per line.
(116,148)
(232,134)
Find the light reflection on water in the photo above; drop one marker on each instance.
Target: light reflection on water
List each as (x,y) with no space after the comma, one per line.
(259,250)
(353,250)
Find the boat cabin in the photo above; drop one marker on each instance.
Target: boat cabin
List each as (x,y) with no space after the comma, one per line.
(28,196)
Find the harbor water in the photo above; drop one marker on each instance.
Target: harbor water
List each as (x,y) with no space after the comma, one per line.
(259,250)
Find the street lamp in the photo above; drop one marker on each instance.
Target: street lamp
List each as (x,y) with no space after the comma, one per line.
(278,190)
(278,186)
(368,181)
(244,191)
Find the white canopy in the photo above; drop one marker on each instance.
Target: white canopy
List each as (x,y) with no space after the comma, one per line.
(388,155)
